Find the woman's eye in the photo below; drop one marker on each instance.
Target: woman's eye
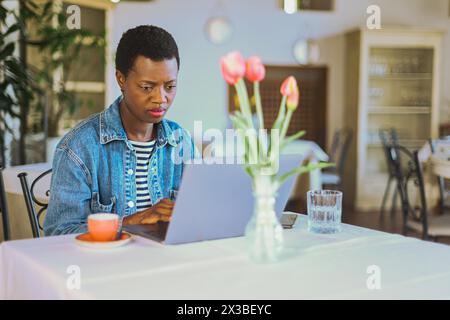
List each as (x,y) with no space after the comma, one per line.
(171,87)
(147,88)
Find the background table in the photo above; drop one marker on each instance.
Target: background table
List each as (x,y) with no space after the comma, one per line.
(440,166)
(433,165)
(314,267)
(19,221)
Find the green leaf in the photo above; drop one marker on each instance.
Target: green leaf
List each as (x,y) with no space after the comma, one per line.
(281,114)
(46,9)
(285,125)
(237,122)
(15,27)
(7,51)
(294,137)
(303,169)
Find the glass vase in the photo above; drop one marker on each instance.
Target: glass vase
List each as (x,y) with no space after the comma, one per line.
(264,233)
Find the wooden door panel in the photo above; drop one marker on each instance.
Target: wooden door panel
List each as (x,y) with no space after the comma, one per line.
(311,113)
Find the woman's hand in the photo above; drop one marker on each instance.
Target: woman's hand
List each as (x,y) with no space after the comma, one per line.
(162,211)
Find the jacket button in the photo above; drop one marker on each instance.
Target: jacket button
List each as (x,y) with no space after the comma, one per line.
(130,171)
(130,204)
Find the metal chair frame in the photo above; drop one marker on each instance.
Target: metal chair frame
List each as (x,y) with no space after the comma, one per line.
(31,200)
(412,174)
(4,207)
(389,137)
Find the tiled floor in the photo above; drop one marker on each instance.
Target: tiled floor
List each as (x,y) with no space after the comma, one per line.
(370,220)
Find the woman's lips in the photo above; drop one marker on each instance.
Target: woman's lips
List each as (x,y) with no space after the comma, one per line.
(157,112)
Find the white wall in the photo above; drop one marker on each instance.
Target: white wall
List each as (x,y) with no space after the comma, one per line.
(261,28)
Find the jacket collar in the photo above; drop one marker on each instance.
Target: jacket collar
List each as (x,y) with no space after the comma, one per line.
(111,127)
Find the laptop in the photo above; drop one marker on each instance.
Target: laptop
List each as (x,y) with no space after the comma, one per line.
(215,201)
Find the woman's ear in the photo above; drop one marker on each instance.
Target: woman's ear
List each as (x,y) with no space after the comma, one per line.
(120,77)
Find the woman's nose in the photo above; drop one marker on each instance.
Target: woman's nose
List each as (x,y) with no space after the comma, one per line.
(160,96)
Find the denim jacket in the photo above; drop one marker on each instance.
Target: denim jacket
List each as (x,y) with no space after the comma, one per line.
(94,170)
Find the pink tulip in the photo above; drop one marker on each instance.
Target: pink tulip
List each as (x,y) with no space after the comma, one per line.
(290,89)
(233,67)
(287,87)
(293,100)
(255,70)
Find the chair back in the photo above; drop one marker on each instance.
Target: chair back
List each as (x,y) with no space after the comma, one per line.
(4,207)
(339,148)
(411,187)
(440,180)
(31,200)
(388,137)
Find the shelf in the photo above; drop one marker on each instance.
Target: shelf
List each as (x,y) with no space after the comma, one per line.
(399,110)
(403,76)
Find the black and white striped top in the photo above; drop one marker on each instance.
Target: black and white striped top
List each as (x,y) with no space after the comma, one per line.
(143,152)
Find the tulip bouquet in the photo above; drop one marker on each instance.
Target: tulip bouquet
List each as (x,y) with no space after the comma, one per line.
(262,151)
(261,155)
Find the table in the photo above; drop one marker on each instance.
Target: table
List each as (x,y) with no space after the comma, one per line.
(19,221)
(442,147)
(314,267)
(440,166)
(433,165)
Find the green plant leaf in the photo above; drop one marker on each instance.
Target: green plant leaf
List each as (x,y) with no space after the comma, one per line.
(303,169)
(292,138)
(7,51)
(15,27)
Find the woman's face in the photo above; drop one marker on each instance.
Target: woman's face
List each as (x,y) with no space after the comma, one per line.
(149,88)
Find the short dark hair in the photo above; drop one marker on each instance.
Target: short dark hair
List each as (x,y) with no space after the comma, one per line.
(151,42)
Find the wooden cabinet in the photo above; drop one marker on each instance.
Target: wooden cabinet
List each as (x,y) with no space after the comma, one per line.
(392,81)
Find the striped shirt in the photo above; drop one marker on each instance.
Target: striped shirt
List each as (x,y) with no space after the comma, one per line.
(143,153)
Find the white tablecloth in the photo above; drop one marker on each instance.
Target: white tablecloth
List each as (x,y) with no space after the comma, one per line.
(442,148)
(440,166)
(315,267)
(12,182)
(433,164)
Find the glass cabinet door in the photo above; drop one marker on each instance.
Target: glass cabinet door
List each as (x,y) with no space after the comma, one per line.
(399,96)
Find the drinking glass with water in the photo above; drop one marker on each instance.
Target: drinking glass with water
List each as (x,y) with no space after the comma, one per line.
(324,211)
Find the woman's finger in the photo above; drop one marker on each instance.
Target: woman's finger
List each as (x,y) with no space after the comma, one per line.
(152,219)
(164,211)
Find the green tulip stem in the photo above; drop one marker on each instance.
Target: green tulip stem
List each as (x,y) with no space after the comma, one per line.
(259,111)
(250,131)
(286,122)
(281,114)
(243,99)
(260,115)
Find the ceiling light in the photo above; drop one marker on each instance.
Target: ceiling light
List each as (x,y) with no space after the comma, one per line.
(290,6)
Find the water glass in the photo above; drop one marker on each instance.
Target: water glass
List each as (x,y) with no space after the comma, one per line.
(324,211)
